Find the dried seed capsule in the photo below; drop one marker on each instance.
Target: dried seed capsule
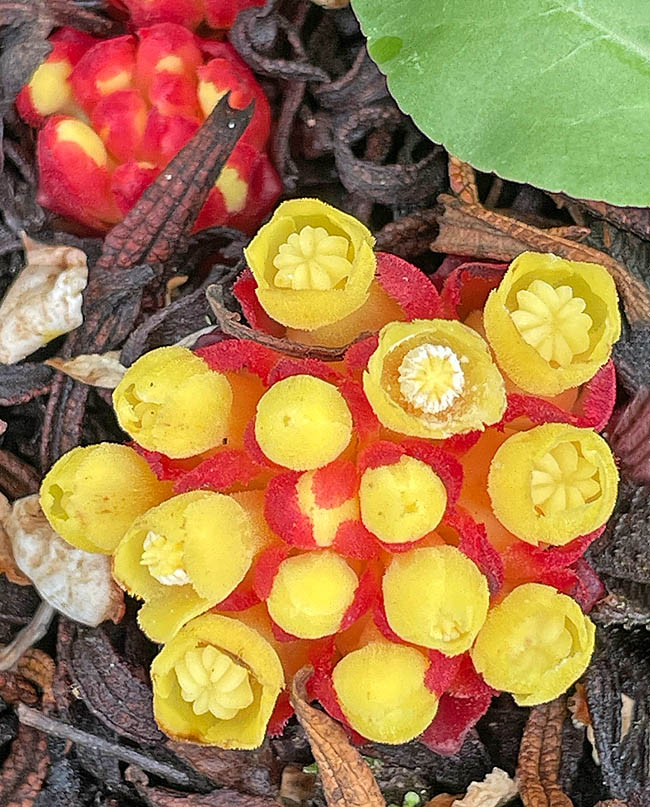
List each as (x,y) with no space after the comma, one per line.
(302,423)
(567,483)
(183,557)
(311,594)
(382,692)
(171,401)
(313,264)
(402,502)
(433,378)
(92,495)
(216,683)
(535,644)
(552,322)
(436,597)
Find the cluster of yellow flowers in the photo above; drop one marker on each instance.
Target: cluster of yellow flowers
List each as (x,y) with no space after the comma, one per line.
(409,520)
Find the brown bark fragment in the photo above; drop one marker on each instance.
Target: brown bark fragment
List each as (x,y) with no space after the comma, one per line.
(463,180)
(347,780)
(540,756)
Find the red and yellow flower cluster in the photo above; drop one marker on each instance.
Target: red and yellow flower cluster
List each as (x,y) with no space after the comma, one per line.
(410,519)
(217,14)
(112,114)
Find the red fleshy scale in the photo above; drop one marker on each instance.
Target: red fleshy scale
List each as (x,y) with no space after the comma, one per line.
(589,587)
(280,634)
(467,287)
(408,286)
(285,368)
(475,544)
(594,406)
(364,597)
(467,683)
(335,484)
(449,263)
(219,472)
(266,567)
(380,453)
(441,672)
(525,561)
(322,688)
(240,600)
(358,354)
(165,468)
(282,713)
(460,443)
(452,723)
(353,540)
(235,355)
(244,290)
(381,621)
(253,448)
(366,423)
(283,514)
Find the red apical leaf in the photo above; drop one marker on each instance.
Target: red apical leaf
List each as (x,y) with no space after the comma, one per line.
(451,725)
(475,544)
(409,287)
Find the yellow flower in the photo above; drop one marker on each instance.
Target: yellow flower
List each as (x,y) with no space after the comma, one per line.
(436,597)
(216,683)
(433,378)
(567,483)
(535,644)
(402,502)
(171,401)
(311,594)
(552,322)
(313,264)
(184,557)
(92,495)
(382,692)
(302,423)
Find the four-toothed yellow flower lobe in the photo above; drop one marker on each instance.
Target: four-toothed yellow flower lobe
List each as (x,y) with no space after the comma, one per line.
(534,644)
(551,322)
(433,378)
(313,264)
(216,683)
(92,495)
(553,483)
(171,401)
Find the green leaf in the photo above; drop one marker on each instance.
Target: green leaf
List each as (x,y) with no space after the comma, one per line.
(551,92)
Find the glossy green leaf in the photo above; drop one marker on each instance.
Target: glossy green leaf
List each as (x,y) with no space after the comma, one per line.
(551,92)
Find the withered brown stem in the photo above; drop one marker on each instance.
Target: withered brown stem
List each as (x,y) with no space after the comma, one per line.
(55,728)
(27,637)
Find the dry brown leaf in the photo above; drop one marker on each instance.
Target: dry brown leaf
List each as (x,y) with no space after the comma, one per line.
(495,790)
(44,301)
(174,282)
(462,180)
(96,369)
(347,780)
(39,668)
(441,800)
(77,583)
(7,562)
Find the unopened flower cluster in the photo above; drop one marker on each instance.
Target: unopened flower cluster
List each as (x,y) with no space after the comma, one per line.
(410,519)
(112,114)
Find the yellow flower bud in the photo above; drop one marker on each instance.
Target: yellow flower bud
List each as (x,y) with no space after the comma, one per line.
(183,557)
(552,322)
(216,683)
(436,597)
(535,644)
(171,401)
(311,593)
(433,378)
(402,502)
(313,264)
(92,495)
(303,423)
(567,483)
(382,693)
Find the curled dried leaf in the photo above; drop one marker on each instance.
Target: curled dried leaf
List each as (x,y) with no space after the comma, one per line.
(95,369)
(495,790)
(44,301)
(7,563)
(77,583)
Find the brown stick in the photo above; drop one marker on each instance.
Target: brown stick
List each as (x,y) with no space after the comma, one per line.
(27,637)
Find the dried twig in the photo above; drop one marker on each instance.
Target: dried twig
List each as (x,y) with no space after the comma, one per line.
(55,728)
(27,637)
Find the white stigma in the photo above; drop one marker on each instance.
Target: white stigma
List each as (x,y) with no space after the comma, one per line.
(431,378)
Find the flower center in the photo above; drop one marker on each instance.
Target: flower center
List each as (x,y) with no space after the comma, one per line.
(143,413)
(431,378)
(312,259)
(563,479)
(60,499)
(164,558)
(552,320)
(212,682)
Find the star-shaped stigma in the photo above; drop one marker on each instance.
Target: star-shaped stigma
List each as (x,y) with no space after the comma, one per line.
(213,682)
(563,479)
(312,259)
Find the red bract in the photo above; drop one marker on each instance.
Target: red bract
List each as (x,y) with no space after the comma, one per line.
(218,14)
(128,105)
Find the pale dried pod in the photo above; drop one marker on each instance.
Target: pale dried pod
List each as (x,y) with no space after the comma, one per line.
(495,790)
(44,301)
(7,562)
(95,369)
(77,583)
